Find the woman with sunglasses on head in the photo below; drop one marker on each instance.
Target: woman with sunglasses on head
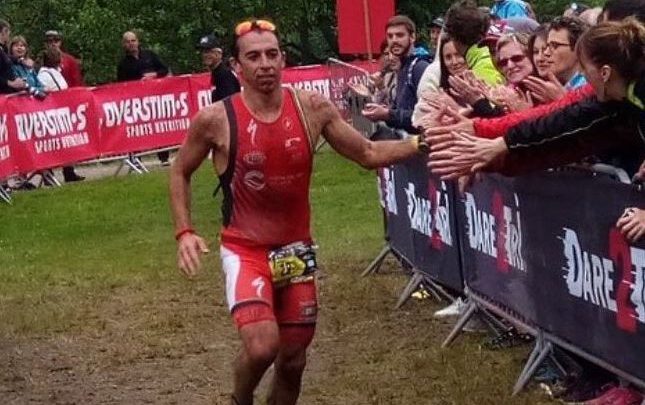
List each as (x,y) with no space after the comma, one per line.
(262,142)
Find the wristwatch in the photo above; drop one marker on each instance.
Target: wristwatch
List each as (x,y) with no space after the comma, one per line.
(420,143)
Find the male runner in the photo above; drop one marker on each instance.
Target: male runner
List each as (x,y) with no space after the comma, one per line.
(263,143)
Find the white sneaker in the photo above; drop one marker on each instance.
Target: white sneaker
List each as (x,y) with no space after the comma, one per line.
(454,309)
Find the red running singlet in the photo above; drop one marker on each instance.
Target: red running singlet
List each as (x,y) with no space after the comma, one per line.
(266,183)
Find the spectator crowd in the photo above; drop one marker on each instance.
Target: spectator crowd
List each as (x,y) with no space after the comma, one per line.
(496,91)
(54,70)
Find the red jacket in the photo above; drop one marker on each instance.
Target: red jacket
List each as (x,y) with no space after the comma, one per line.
(71,70)
(496,127)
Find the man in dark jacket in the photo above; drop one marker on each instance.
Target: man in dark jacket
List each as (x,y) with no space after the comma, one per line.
(401,35)
(223,80)
(141,64)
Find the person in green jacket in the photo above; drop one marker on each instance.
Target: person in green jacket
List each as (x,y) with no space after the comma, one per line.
(466,25)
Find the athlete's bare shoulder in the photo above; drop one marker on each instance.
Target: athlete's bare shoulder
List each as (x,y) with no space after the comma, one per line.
(211,123)
(317,106)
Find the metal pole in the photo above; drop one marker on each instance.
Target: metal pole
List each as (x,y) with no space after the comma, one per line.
(368,29)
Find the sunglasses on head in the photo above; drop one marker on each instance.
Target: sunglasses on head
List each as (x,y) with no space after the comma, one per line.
(515,59)
(245,27)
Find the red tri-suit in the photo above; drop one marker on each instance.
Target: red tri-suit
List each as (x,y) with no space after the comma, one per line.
(266,206)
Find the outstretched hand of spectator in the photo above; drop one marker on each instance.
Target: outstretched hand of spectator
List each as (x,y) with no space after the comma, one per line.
(511,99)
(376,112)
(466,154)
(440,134)
(632,224)
(465,90)
(545,91)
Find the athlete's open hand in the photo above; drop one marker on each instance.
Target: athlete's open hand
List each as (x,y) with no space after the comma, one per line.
(189,249)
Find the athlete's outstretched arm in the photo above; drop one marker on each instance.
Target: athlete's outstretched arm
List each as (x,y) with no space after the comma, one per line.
(191,154)
(349,142)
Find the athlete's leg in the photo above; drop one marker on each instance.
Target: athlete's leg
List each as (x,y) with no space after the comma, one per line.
(295,308)
(290,364)
(249,293)
(260,345)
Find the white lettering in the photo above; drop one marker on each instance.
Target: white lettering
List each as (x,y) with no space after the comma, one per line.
(481,228)
(150,108)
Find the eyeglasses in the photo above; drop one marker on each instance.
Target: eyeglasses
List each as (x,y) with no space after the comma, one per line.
(502,63)
(245,27)
(553,45)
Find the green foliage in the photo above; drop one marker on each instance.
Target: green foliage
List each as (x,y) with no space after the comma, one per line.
(93,28)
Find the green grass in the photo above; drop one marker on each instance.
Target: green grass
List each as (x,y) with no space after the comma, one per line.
(89,272)
(83,240)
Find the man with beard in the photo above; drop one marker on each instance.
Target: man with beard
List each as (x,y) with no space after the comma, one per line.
(262,142)
(401,35)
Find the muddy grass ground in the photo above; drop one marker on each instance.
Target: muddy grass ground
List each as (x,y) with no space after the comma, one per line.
(92,310)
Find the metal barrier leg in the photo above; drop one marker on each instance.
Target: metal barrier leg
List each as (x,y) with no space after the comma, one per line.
(377,262)
(439,292)
(48,176)
(132,164)
(541,351)
(139,163)
(320,145)
(412,285)
(4,195)
(471,308)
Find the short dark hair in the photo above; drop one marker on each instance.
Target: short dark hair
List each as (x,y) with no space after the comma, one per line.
(402,20)
(575,28)
(4,24)
(466,23)
(618,9)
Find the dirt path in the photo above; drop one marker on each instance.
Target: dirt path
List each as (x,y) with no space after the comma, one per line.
(173,344)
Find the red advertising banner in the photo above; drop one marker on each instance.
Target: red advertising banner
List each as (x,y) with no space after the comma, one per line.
(352,32)
(7,167)
(59,130)
(78,124)
(313,78)
(144,115)
(200,90)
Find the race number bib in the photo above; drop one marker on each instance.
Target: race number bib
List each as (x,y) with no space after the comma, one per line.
(292,263)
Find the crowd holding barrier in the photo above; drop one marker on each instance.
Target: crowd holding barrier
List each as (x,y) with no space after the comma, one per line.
(539,250)
(82,124)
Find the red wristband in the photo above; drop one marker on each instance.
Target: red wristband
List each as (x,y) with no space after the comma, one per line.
(183,232)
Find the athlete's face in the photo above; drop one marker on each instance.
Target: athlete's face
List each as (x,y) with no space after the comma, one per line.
(260,61)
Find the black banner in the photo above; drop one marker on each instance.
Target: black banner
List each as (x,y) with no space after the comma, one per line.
(545,248)
(421,220)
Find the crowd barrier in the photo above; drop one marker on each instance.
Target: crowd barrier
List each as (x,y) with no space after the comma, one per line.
(539,250)
(81,124)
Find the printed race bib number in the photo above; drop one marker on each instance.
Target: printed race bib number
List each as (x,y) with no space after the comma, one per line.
(283,269)
(292,263)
